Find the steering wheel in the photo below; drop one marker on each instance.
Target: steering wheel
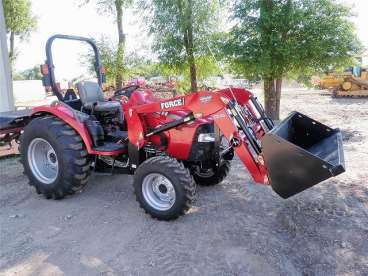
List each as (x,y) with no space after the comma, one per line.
(125,92)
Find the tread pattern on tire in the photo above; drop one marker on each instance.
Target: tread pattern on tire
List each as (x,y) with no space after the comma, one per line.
(215,179)
(74,162)
(180,174)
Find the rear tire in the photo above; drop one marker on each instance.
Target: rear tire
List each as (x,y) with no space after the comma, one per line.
(164,188)
(54,157)
(215,177)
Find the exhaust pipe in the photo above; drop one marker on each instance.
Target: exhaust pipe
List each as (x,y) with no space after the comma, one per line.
(300,153)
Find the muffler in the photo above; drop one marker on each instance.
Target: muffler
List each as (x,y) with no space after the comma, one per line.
(300,153)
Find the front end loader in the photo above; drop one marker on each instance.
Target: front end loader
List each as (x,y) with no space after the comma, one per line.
(291,157)
(169,146)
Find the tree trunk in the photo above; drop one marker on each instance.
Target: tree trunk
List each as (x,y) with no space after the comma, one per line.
(121,45)
(11,48)
(189,46)
(272,97)
(193,72)
(278,96)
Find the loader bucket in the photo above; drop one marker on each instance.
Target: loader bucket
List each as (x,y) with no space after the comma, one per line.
(301,152)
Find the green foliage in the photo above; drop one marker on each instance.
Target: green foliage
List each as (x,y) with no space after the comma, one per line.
(33,73)
(108,58)
(131,65)
(107,7)
(272,38)
(173,23)
(19,22)
(115,8)
(206,66)
(18,17)
(169,24)
(140,66)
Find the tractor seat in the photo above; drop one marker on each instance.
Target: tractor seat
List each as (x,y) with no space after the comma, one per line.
(106,106)
(93,99)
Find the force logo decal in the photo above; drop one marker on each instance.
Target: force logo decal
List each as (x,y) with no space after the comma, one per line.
(218,116)
(173,103)
(205,99)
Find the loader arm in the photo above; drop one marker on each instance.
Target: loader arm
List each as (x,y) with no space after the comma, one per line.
(226,115)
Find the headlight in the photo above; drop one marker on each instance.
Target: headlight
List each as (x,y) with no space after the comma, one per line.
(225,100)
(206,138)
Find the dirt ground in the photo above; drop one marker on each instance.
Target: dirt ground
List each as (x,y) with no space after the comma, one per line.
(235,228)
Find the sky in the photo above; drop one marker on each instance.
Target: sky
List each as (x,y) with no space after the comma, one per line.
(66,17)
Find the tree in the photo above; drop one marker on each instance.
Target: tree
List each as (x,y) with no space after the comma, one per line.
(33,73)
(115,7)
(141,66)
(181,30)
(134,65)
(272,38)
(108,52)
(19,21)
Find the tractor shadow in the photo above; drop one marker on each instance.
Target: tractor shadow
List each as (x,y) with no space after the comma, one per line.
(320,227)
(236,227)
(310,233)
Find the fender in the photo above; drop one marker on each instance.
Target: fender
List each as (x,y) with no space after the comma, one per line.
(69,117)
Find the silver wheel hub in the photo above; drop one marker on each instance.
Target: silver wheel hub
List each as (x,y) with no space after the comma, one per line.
(43,161)
(158,191)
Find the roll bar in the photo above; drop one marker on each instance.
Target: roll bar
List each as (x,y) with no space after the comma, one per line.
(51,67)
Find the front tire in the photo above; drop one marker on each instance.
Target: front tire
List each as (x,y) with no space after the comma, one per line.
(54,157)
(164,188)
(213,176)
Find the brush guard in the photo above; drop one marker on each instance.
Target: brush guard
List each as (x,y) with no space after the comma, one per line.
(301,152)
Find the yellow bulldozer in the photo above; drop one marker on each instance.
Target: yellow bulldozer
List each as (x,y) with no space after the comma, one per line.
(351,83)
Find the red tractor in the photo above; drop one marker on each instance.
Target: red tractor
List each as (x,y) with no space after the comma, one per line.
(168,145)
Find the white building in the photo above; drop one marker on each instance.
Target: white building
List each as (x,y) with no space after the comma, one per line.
(6,94)
(365,59)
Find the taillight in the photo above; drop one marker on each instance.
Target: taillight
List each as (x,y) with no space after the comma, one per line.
(44,69)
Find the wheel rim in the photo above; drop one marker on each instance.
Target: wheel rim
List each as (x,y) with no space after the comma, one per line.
(43,161)
(158,191)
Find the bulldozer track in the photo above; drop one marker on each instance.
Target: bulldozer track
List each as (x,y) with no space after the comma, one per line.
(351,96)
